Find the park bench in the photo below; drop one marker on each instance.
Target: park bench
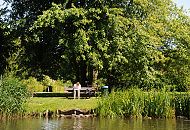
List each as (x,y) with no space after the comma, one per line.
(86,92)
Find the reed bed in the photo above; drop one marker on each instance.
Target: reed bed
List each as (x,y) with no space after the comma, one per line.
(13,95)
(137,103)
(182,104)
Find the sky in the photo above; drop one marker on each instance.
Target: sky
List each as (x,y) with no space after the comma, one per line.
(184,3)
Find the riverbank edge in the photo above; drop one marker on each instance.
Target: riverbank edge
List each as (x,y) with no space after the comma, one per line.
(79,113)
(63,113)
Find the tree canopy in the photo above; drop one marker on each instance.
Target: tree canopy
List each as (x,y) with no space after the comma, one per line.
(121,43)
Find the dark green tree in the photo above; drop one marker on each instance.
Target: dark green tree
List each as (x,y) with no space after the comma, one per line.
(127,49)
(127,43)
(5,44)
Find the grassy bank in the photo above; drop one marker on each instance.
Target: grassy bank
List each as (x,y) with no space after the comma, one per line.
(38,104)
(131,103)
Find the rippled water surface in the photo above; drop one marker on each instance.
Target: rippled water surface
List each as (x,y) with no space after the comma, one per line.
(94,124)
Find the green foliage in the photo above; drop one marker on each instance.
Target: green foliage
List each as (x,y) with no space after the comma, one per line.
(68,83)
(13,96)
(137,103)
(47,81)
(143,43)
(182,104)
(134,50)
(33,85)
(57,85)
(5,45)
(100,82)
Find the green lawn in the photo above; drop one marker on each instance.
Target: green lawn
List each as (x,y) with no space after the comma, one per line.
(38,104)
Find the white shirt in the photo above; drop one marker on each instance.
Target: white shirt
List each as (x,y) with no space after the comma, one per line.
(77,87)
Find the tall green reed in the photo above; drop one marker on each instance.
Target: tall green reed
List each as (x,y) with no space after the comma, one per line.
(182,104)
(136,103)
(13,95)
(157,104)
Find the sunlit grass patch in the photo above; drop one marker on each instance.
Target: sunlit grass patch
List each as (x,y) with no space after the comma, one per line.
(38,104)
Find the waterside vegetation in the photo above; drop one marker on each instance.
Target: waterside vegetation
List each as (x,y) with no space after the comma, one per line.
(15,100)
(48,45)
(13,97)
(133,103)
(138,103)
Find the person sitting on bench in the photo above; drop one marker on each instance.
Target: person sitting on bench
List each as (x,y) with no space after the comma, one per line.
(76,89)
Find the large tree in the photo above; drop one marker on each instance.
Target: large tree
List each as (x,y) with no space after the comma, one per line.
(5,45)
(141,43)
(129,47)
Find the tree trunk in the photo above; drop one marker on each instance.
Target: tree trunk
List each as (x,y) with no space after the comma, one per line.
(95,77)
(83,73)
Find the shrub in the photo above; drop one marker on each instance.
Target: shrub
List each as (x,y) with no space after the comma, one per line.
(13,96)
(68,84)
(58,86)
(34,85)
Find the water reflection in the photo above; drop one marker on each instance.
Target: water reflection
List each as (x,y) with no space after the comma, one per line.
(94,124)
(77,125)
(50,124)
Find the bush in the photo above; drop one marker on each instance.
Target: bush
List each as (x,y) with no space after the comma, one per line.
(13,96)
(57,85)
(34,85)
(68,84)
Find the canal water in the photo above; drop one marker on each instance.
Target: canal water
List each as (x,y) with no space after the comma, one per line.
(95,124)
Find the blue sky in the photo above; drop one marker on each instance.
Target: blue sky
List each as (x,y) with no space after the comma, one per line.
(184,3)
